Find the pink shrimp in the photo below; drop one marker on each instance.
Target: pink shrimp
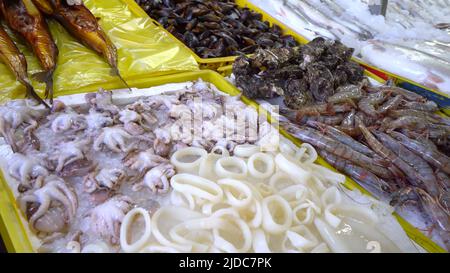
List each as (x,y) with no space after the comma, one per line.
(413,176)
(330,145)
(397,113)
(318,109)
(368,103)
(364,177)
(429,106)
(432,156)
(330,120)
(420,165)
(409,122)
(437,214)
(411,96)
(391,104)
(342,137)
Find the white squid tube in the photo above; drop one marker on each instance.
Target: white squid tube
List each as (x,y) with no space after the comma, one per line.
(221,243)
(235,162)
(320,248)
(198,226)
(301,238)
(328,234)
(296,172)
(260,244)
(198,187)
(175,215)
(330,199)
(252,214)
(246,150)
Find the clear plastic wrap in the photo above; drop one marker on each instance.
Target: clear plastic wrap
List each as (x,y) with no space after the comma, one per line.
(143,49)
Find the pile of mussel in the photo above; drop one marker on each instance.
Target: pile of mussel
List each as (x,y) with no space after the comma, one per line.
(304,74)
(214,28)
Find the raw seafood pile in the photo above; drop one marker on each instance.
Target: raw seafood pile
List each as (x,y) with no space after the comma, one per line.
(78,170)
(110,174)
(216,28)
(26,18)
(303,75)
(405,42)
(389,140)
(255,201)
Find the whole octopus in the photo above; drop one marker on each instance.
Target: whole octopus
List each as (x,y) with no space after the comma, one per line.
(97,161)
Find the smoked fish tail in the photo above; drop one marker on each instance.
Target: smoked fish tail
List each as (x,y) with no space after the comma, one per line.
(24,18)
(17,64)
(32,94)
(47,78)
(83,25)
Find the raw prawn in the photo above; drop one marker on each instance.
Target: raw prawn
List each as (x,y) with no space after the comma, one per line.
(432,156)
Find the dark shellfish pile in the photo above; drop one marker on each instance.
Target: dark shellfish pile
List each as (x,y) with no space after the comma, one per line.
(304,75)
(214,28)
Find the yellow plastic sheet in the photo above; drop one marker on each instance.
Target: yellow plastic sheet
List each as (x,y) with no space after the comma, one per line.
(143,49)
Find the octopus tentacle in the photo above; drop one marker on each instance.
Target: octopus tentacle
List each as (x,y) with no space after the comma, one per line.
(26,199)
(58,195)
(33,125)
(98,142)
(53,189)
(114,138)
(43,208)
(71,198)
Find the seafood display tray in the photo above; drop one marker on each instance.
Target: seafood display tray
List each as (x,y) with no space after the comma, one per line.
(216,63)
(14,232)
(222,64)
(375,80)
(440,98)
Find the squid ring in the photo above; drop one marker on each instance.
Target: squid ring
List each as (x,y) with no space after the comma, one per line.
(188,167)
(238,163)
(126,222)
(245,192)
(270,224)
(268,162)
